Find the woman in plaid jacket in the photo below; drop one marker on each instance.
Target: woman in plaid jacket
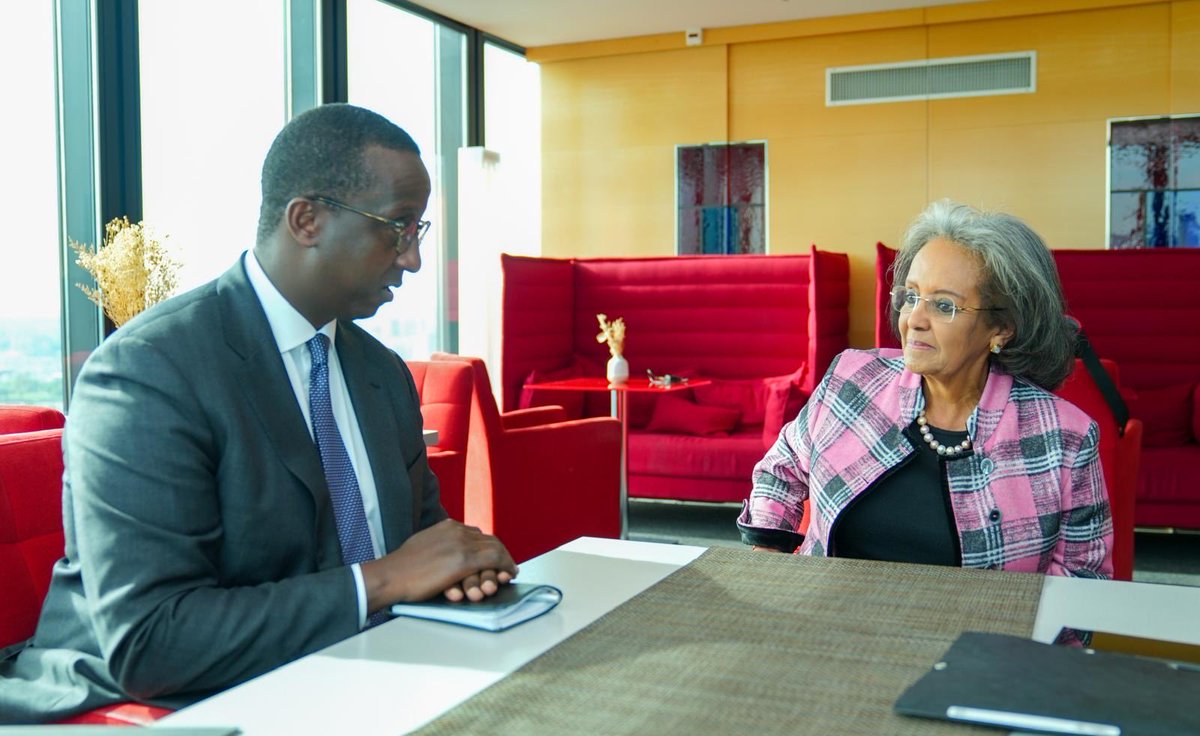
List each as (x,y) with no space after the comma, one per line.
(953,450)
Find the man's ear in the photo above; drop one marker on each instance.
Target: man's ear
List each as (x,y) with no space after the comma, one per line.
(303,221)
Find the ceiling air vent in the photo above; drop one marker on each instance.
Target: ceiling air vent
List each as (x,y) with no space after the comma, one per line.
(929,79)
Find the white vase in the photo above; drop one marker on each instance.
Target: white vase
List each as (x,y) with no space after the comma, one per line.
(618,369)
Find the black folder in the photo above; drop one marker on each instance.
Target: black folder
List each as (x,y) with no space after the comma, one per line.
(1023,685)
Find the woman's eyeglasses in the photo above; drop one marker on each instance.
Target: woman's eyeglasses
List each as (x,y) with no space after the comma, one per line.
(942,308)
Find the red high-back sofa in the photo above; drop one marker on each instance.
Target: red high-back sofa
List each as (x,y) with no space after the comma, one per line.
(753,323)
(1140,309)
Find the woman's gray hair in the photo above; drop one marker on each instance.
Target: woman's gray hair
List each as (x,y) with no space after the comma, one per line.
(1018,274)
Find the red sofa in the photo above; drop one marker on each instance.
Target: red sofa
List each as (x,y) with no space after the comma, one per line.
(1140,310)
(764,327)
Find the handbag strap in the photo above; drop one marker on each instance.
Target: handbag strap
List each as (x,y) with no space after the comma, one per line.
(1104,382)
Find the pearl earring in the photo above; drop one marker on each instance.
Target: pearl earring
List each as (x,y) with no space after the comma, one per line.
(996,348)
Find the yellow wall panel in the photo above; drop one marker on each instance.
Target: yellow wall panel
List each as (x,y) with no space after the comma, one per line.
(1185,57)
(1050,175)
(1090,65)
(778,87)
(846,177)
(609,130)
(844,194)
(840,177)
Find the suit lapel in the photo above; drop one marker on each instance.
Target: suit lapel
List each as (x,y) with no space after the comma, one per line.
(266,386)
(382,434)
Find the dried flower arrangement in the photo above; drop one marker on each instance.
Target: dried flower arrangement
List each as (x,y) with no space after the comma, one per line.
(133,270)
(612,333)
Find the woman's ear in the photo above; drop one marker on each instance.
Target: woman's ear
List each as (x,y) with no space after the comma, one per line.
(303,221)
(1003,335)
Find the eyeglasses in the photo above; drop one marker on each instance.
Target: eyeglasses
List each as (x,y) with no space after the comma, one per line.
(408,233)
(942,307)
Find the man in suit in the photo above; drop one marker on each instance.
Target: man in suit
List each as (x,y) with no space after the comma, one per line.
(246,477)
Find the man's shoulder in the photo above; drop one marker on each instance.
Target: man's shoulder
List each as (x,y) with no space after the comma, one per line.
(185,323)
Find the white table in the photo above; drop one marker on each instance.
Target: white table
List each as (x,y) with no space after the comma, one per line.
(398,676)
(405,673)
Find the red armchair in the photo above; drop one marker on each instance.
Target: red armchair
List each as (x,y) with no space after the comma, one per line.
(535,480)
(1120,456)
(31,541)
(445,389)
(20,418)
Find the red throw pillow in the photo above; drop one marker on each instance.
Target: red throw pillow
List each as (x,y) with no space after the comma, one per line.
(1166,414)
(570,401)
(684,417)
(640,404)
(784,401)
(747,395)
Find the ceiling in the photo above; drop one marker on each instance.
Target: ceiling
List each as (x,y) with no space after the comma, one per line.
(532,23)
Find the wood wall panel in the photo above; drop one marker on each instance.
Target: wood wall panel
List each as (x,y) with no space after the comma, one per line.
(845,177)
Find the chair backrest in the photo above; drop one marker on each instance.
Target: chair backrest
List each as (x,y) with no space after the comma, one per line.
(445,391)
(485,415)
(884,258)
(485,430)
(31,532)
(1119,457)
(21,418)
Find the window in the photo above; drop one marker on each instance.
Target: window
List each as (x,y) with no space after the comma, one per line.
(213,98)
(31,362)
(412,71)
(722,198)
(513,128)
(1154,182)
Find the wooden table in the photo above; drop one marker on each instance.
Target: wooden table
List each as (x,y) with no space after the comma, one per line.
(619,393)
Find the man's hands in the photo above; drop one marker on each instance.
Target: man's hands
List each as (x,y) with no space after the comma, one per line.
(448,557)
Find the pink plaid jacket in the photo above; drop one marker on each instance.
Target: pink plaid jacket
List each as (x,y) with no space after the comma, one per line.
(1030,498)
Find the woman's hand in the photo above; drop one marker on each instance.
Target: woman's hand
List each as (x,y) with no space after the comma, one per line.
(758,548)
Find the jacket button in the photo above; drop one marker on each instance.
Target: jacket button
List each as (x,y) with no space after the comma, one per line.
(986,465)
(995,515)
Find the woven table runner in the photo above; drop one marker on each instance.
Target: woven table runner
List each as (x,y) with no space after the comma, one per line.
(756,643)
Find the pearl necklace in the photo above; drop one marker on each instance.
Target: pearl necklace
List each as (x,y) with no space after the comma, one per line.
(938,447)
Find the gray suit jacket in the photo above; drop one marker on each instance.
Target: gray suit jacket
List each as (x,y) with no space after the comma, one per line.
(201,547)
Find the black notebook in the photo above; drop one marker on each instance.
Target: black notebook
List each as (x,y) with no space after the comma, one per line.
(1019,684)
(514,603)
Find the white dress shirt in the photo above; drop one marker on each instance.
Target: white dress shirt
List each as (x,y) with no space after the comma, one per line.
(292,333)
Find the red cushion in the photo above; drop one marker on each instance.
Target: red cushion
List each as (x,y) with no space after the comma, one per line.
(640,406)
(1166,413)
(1167,475)
(676,415)
(785,399)
(31,536)
(570,401)
(730,457)
(747,395)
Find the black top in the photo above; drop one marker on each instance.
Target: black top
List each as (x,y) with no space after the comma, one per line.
(905,516)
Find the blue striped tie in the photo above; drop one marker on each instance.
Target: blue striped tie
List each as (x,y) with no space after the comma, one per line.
(353,533)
